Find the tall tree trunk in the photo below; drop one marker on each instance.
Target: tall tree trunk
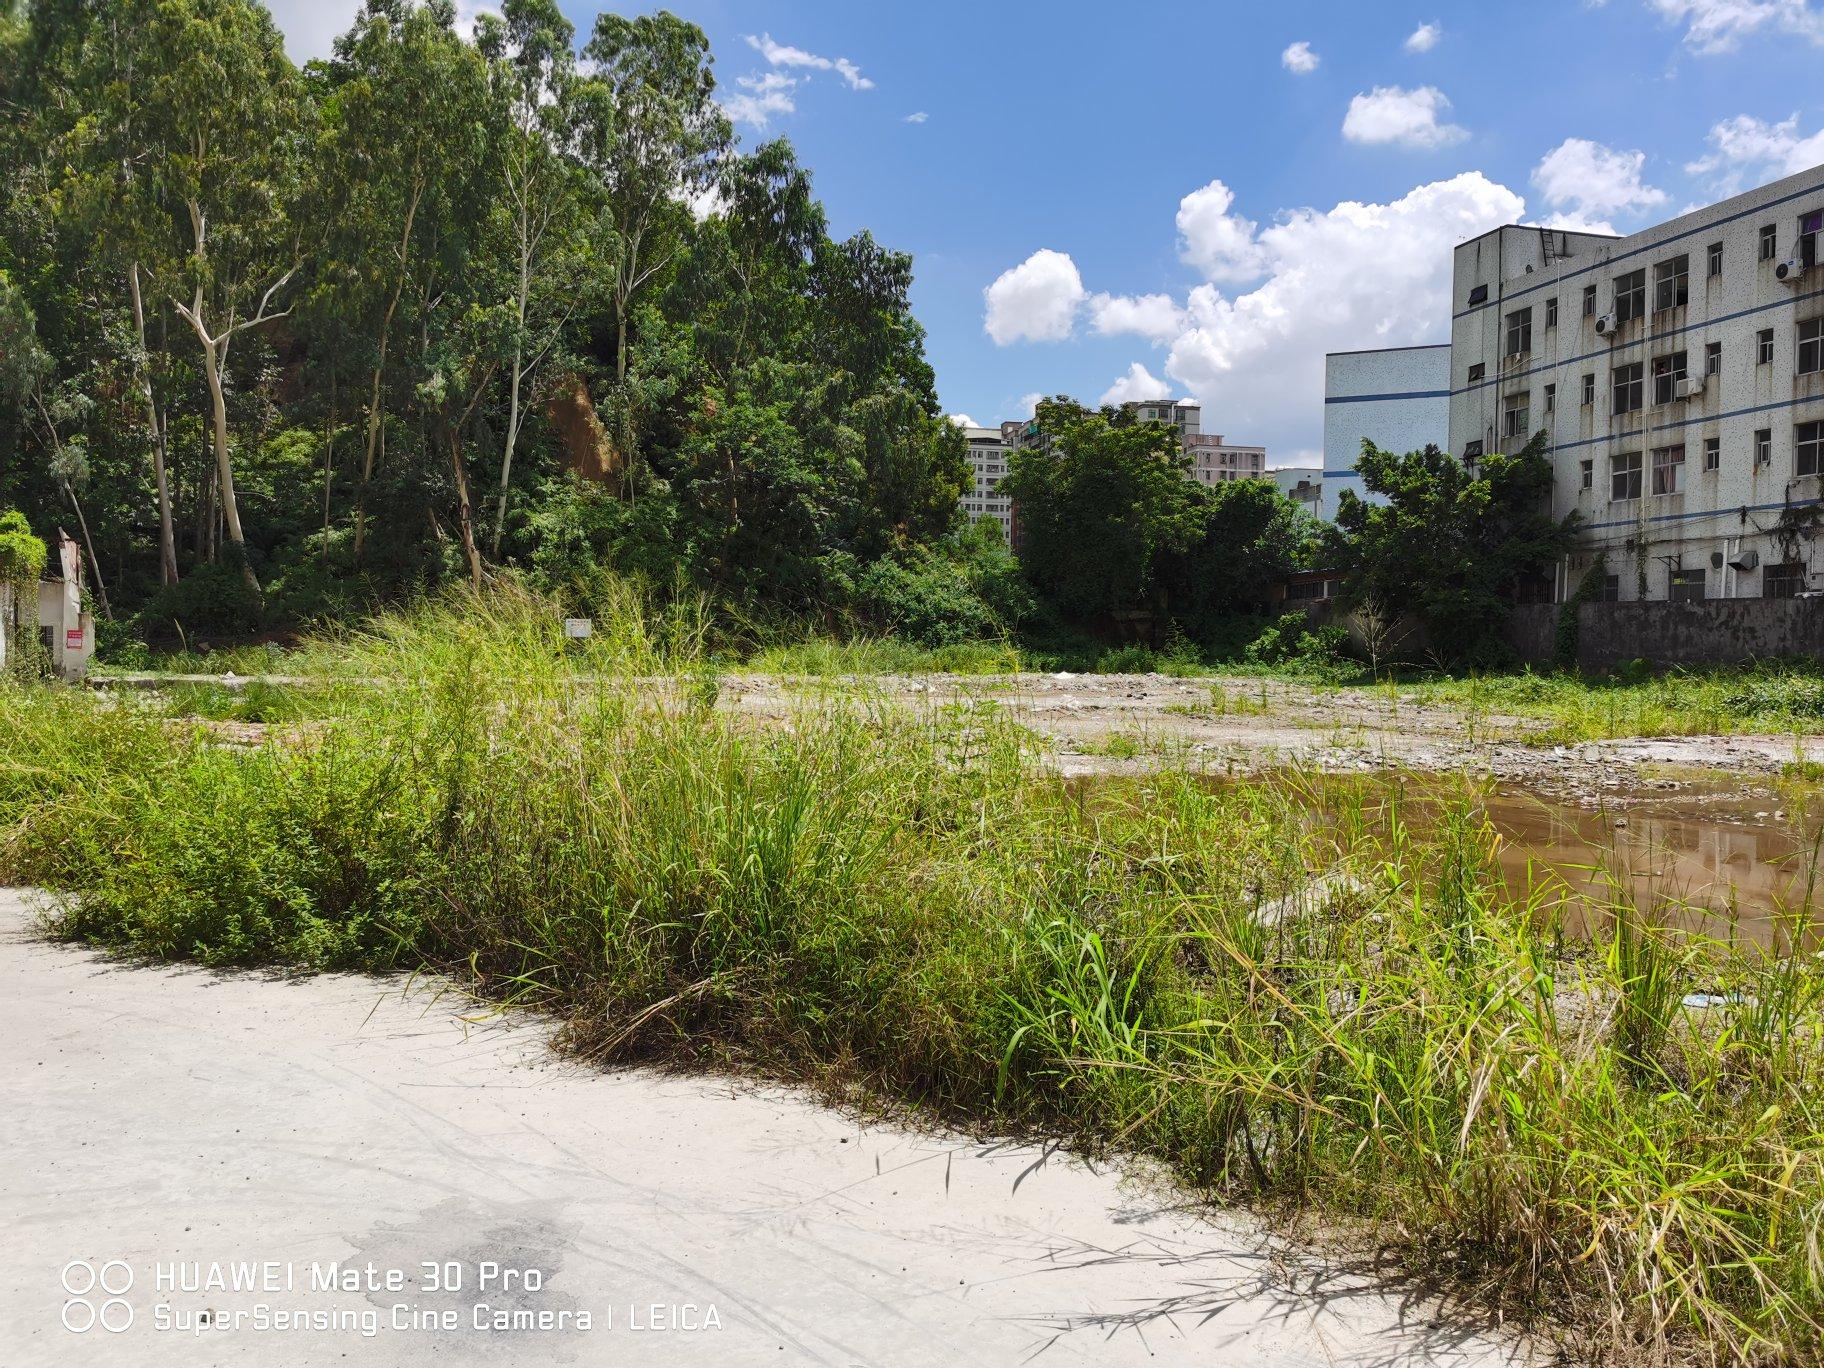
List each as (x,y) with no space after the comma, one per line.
(373,399)
(329,460)
(519,350)
(465,518)
(224,465)
(167,532)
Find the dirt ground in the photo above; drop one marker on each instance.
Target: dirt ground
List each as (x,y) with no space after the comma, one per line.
(1115,724)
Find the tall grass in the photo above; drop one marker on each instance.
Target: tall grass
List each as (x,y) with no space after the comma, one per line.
(869,896)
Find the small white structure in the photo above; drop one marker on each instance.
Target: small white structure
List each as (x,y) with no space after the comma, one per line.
(65,631)
(1304,485)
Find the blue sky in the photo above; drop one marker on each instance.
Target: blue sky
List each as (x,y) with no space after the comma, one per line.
(1167,186)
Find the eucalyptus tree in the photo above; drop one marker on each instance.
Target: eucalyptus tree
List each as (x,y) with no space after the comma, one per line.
(404,127)
(229,120)
(654,141)
(533,67)
(110,158)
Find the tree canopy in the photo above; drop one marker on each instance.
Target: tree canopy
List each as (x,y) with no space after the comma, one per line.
(301,341)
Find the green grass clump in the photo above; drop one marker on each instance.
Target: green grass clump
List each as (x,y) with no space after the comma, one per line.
(901,900)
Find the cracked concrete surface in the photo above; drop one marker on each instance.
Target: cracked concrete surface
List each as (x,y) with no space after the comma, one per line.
(170,1115)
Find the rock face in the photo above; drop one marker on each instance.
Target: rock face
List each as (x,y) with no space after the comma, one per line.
(588,452)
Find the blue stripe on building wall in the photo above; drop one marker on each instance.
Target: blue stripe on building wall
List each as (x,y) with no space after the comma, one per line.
(1646,341)
(1377,398)
(1661,245)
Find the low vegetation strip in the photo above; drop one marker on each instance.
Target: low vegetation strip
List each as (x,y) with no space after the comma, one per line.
(903,901)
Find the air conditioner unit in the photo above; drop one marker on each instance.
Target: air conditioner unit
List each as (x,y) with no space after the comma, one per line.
(1745,560)
(1689,389)
(1789,270)
(1605,325)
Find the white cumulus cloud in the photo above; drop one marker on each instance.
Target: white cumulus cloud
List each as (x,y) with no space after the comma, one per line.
(759,97)
(1152,316)
(1037,300)
(1587,179)
(1720,25)
(1408,118)
(1424,38)
(1299,59)
(1137,384)
(1218,243)
(917,117)
(963,420)
(784,55)
(1747,151)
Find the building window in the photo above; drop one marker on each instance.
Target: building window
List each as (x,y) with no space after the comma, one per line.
(1810,225)
(1626,392)
(1551,313)
(1589,301)
(1589,389)
(1716,259)
(1770,242)
(1514,414)
(1713,358)
(1672,283)
(1476,372)
(1763,446)
(1786,580)
(1667,372)
(1519,332)
(1808,449)
(1589,474)
(1624,476)
(1763,347)
(1669,470)
(1713,453)
(1478,294)
(1631,295)
(1687,586)
(1551,398)
(1610,592)
(1811,346)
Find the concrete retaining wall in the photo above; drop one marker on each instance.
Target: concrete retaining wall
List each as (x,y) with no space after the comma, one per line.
(1662,633)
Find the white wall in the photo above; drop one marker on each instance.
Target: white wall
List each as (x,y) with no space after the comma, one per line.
(1398,398)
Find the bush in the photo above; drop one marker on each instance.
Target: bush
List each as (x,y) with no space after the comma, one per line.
(212,600)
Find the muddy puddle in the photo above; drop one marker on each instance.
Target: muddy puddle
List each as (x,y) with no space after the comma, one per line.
(1697,857)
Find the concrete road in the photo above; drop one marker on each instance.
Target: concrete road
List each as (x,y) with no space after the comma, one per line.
(209,1169)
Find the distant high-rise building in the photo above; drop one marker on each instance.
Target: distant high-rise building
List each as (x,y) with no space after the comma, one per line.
(988,453)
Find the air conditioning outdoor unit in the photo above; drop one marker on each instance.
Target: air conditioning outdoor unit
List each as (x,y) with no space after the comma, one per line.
(1689,389)
(1605,325)
(1789,270)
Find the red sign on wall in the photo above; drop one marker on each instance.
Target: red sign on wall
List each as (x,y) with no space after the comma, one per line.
(72,639)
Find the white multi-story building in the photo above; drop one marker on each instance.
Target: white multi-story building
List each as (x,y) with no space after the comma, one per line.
(988,452)
(1678,374)
(1396,397)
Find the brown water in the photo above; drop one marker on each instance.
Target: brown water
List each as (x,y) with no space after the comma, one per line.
(1703,861)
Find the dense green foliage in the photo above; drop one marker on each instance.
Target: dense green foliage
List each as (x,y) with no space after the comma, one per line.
(1453,544)
(1110,525)
(907,901)
(299,342)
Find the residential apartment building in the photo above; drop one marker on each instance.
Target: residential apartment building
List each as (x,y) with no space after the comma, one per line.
(989,449)
(1213,460)
(1678,374)
(1396,397)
